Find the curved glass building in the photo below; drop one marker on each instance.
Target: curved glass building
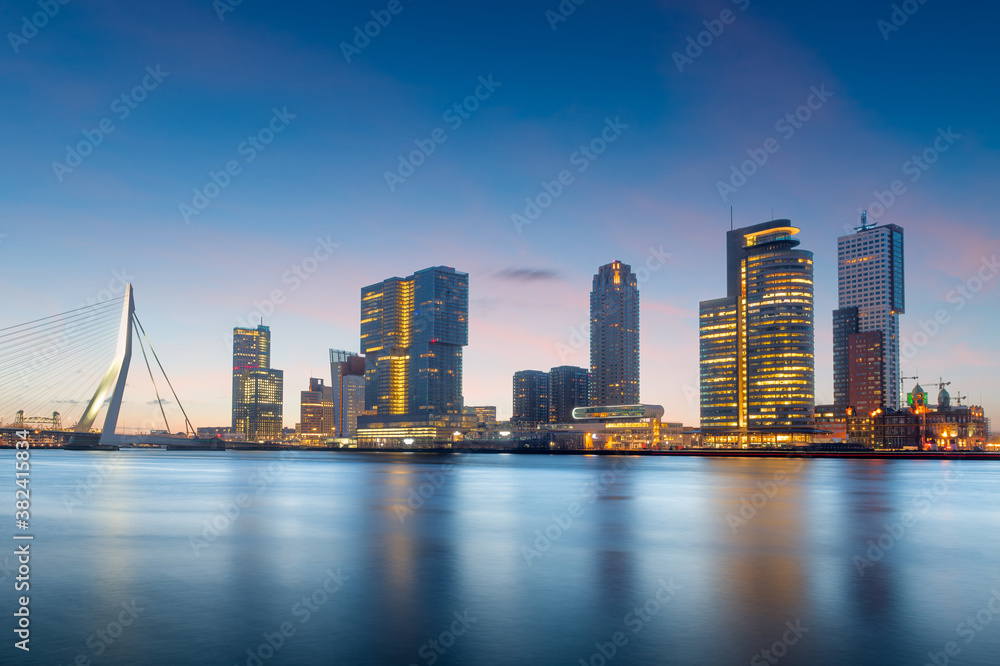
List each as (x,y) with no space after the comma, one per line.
(757,343)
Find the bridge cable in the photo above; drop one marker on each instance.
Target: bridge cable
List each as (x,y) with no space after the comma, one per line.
(155,390)
(157,358)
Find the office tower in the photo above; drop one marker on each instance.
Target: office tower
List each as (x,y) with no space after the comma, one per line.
(845,324)
(614,336)
(486,415)
(531,396)
(257,388)
(866,368)
(871,282)
(757,355)
(316,411)
(569,387)
(412,333)
(347,372)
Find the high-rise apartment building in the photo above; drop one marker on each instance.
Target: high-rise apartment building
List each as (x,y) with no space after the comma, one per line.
(871,296)
(531,396)
(569,387)
(347,372)
(757,343)
(257,388)
(412,333)
(316,411)
(614,336)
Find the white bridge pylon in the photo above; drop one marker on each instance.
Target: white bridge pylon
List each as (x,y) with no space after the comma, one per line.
(114,377)
(113,385)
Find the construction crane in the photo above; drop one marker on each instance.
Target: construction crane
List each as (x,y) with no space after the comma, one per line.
(942,383)
(959,398)
(902,389)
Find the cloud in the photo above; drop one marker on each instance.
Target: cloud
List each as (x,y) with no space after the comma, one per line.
(526,274)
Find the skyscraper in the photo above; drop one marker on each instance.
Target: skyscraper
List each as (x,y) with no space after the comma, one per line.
(531,396)
(347,373)
(412,333)
(614,336)
(757,343)
(569,387)
(871,296)
(316,411)
(257,388)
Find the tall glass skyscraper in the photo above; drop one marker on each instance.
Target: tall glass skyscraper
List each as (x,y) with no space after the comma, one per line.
(757,343)
(871,296)
(614,336)
(412,333)
(258,392)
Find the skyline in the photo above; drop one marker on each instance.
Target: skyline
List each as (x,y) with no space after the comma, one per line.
(653,193)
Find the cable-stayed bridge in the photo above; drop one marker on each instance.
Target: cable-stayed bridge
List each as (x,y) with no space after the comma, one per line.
(59,372)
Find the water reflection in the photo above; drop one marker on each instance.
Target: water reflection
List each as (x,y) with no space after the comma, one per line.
(751,546)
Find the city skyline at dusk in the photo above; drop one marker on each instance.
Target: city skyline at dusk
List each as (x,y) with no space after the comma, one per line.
(560,158)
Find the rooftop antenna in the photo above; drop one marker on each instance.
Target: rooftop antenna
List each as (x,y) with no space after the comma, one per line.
(864,222)
(730,218)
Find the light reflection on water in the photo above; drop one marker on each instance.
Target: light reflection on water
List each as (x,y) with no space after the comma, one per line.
(219,549)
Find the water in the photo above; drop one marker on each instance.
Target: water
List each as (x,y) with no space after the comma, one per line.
(657,566)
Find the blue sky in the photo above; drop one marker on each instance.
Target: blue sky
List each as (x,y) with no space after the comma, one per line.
(322,179)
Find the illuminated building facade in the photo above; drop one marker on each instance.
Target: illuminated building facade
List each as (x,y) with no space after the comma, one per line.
(412,333)
(866,369)
(614,336)
(610,427)
(871,296)
(920,426)
(757,344)
(316,411)
(486,415)
(347,372)
(531,397)
(569,387)
(257,388)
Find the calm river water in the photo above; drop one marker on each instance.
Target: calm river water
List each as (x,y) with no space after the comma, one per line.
(155,557)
